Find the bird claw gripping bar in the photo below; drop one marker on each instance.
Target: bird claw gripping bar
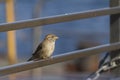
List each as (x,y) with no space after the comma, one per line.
(114,63)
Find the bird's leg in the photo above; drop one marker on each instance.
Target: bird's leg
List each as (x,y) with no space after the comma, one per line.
(48,58)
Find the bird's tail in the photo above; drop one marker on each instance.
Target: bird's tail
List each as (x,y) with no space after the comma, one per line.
(30,59)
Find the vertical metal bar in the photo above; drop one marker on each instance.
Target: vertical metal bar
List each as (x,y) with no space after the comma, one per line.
(115,33)
(11,41)
(37,30)
(36,36)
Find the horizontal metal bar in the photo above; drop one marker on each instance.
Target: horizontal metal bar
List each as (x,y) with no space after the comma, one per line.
(57,19)
(59,58)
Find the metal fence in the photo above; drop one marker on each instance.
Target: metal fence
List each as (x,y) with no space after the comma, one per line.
(64,57)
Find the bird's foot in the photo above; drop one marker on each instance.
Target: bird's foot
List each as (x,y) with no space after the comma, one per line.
(48,58)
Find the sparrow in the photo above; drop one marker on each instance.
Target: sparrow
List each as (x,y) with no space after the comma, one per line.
(45,49)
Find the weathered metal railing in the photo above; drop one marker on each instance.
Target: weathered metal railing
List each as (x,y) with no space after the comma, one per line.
(64,57)
(59,58)
(58,18)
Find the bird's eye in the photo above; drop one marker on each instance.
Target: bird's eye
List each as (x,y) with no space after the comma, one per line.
(49,37)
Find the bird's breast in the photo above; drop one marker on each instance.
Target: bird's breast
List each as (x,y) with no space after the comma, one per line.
(49,48)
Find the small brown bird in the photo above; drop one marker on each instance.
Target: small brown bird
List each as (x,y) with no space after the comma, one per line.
(45,48)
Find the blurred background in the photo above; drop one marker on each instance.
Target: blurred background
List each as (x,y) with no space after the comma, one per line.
(73,35)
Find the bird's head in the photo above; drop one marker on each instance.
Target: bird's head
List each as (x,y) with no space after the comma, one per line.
(51,37)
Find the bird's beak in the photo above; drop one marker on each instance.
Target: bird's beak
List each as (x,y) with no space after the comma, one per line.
(56,37)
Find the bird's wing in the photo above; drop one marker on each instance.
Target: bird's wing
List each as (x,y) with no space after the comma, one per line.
(38,49)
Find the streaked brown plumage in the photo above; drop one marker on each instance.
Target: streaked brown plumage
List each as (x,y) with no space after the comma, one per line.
(45,48)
